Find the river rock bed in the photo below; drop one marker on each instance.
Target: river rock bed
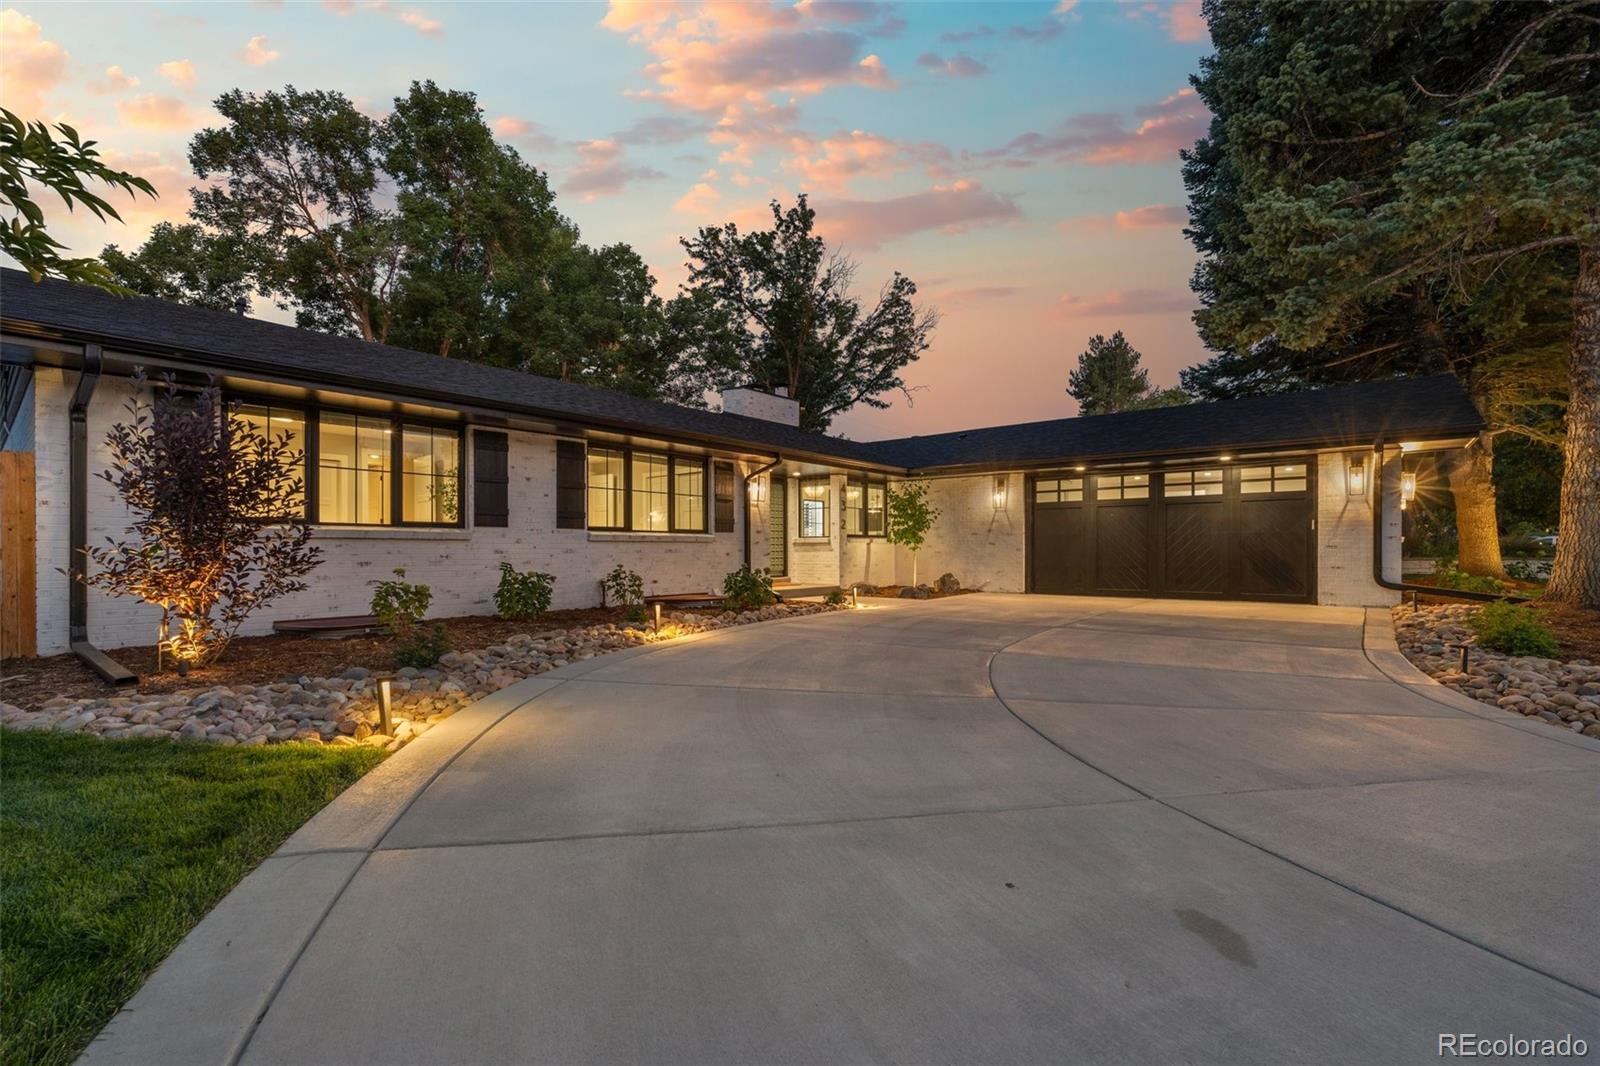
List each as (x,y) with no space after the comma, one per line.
(344,709)
(1564,694)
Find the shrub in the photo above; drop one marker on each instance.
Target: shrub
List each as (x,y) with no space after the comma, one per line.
(834,597)
(1527,570)
(623,587)
(400,605)
(745,589)
(1451,576)
(217,530)
(1514,629)
(523,597)
(422,648)
(636,614)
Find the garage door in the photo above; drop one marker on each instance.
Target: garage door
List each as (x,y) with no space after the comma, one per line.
(1209,532)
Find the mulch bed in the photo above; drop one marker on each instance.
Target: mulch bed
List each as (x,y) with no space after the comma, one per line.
(29,683)
(1576,628)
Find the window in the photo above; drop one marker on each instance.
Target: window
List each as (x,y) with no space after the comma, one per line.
(689,495)
(1284,477)
(1058,490)
(271,421)
(430,475)
(648,474)
(813,507)
(1122,486)
(646,492)
(607,484)
(876,509)
(1192,483)
(353,457)
(864,508)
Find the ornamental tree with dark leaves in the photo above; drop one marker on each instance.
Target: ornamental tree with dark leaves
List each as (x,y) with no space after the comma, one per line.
(219,524)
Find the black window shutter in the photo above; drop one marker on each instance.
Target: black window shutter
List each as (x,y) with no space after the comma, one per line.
(491,478)
(570,478)
(724,490)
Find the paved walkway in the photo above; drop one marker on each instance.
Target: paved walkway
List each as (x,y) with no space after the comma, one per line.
(981,829)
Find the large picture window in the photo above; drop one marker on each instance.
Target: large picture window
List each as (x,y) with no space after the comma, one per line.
(367,469)
(813,507)
(273,422)
(646,492)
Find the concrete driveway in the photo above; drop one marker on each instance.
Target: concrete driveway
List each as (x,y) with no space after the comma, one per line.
(982,829)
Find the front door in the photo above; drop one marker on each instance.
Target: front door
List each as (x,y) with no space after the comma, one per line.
(777,526)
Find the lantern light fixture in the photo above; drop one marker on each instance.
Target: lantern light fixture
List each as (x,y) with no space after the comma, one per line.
(1408,486)
(1000,487)
(1356,478)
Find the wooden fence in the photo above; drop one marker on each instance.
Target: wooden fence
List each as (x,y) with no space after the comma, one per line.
(18,629)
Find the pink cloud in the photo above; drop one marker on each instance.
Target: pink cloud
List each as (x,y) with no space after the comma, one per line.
(257,54)
(1185,22)
(603,170)
(116,80)
(172,181)
(153,112)
(954,208)
(1127,302)
(975,294)
(33,66)
(409,16)
(180,72)
(959,65)
(721,53)
(1152,216)
(1104,139)
(700,201)
(845,156)
(523,132)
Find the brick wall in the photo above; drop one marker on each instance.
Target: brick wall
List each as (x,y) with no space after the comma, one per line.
(462,566)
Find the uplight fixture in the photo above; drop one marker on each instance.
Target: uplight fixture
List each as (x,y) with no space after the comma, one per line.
(658,615)
(385,705)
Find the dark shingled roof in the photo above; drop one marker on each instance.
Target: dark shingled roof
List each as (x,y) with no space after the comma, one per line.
(1409,408)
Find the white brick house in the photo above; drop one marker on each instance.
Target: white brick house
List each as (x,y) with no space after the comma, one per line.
(449,469)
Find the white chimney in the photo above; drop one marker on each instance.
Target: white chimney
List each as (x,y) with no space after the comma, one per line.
(753,403)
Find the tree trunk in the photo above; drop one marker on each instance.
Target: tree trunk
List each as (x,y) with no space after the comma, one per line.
(1477,528)
(1575,577)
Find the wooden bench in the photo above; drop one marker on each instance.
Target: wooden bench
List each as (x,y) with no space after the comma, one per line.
(345,625)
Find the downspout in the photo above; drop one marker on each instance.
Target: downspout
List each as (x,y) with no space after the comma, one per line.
(757,472)
(1377,548)
(78,525)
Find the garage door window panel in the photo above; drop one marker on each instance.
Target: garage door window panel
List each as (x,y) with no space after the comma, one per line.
(1121,487)
(1278,478)
(1182,483)
(1058,490)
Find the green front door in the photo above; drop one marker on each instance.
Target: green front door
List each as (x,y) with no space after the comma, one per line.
(777,527)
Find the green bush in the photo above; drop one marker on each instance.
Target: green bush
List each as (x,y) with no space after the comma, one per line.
(834,597)
(745,589)
(422,648)
(624,588)
(636,614)
(1514,629)
(1451,576)
(398,604)
(523,597)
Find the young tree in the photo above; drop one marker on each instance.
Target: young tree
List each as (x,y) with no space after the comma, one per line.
(1406,188)
(911,517)
(1109,379)
(218,528)
(774,307)
(29,152)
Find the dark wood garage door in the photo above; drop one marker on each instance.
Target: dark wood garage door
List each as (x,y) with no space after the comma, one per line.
(1220,532)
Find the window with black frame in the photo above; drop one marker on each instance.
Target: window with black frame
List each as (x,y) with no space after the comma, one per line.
(639,491)
(813,508)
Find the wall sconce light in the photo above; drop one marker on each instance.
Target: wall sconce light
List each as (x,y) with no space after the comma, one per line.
(758,490)
(1001,482)
(1408,486)
(1356,477)
(385,706)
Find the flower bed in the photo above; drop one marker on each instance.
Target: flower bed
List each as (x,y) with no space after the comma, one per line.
(1564,693)
(343,709)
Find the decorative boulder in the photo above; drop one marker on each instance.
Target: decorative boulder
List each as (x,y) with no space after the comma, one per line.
(949,584)
(863,589)
(916,592)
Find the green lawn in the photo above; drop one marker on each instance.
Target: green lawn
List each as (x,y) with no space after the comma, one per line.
(111,850)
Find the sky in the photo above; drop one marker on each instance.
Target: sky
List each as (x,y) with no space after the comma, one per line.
(1018,161)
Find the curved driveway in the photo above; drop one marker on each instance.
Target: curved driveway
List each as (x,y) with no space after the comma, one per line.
(987,828)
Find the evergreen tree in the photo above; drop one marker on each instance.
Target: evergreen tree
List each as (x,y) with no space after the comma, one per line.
(1109,379)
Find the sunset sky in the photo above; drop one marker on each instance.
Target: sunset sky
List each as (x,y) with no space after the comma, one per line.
(1018,161)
